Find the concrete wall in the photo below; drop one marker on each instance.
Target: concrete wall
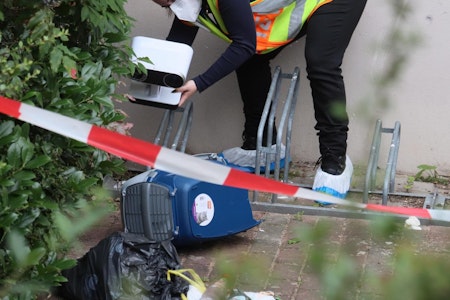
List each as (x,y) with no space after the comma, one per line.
(417,99)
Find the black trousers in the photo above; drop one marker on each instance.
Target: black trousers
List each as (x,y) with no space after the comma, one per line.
(328,33)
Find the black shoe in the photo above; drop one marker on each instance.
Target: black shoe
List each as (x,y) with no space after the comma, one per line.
(249,143)
(332,164)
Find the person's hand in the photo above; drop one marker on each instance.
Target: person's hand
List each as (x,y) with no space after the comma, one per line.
(186,90)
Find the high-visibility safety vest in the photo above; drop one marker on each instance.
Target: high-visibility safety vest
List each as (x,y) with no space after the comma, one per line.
(277,21)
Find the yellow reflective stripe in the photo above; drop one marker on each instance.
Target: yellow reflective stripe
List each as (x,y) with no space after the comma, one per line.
(214,6)
(206,23)
(310,8)
(277,32)
(280,28)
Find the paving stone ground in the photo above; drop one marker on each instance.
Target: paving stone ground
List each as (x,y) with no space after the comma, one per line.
(281,255)
(276,256)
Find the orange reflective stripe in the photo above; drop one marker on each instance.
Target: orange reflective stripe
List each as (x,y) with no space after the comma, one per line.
(264,35)
(264,23)
(264,46)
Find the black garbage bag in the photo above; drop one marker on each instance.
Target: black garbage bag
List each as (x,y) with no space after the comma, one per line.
(125,266)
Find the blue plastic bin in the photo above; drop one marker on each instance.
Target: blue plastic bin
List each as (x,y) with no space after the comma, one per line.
(163,205)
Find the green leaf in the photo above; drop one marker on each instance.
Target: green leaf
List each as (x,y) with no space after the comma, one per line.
(20,152)
(76,177)
(6,128)
(24,175)
(27,219)
(106,74)
(55,59)
(34,257)
(13,155)
(33,95)
(49,205)
(38,162)
(84,13)
(37,19)
(63,223)
(8,219)
(62,104)
(18,246)
(7,182)
(18,201)
(122,71)
(26,132)
(61,279)
(69,230)
(86,183)
(105,101)
(39,31)
(426,167)
(69,64)
(67,52)
(27,152)
(115,37)
(64,264)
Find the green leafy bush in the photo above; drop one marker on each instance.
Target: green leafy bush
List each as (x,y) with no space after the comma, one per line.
(68,57)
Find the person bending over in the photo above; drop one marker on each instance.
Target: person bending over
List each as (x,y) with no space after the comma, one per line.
(257,31)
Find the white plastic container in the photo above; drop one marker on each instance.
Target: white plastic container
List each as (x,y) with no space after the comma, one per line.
(169,69)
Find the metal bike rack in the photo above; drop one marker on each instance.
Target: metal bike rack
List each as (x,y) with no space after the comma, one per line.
(284,126)
(391,165)
(167,126)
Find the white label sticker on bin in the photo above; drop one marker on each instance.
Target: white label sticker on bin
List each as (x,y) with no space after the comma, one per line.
(203,209)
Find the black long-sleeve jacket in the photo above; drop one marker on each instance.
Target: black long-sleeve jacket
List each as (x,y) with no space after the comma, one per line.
(238,19)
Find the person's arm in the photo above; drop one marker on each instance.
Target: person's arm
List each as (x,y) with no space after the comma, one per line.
(183,33)
(238,19)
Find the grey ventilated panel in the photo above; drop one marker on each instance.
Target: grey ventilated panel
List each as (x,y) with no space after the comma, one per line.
(147,209)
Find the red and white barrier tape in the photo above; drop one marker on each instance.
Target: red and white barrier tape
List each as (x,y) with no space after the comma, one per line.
(182,164)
